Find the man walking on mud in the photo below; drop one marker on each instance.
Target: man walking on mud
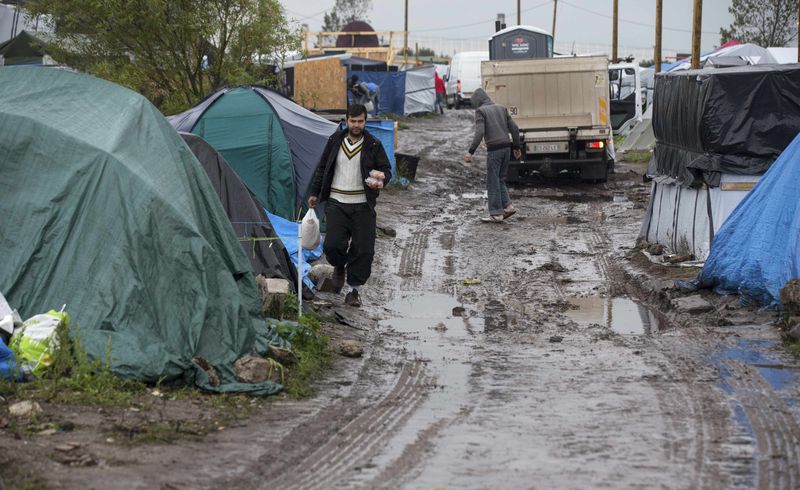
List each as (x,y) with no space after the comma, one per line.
(351,172)
(493,124)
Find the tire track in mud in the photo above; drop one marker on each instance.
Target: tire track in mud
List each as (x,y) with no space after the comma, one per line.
(776,431)
(351,446)
(413,256)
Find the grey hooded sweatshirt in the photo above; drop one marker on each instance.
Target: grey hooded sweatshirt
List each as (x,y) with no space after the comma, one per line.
(492,123)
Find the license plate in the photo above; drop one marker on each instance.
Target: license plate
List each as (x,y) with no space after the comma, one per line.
(547,148)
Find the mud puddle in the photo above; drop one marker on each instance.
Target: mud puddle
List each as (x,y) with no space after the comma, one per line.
(622,315)
(440,337)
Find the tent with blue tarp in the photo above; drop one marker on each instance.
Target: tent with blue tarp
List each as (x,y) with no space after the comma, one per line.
(402,92)
(757,250)
(273,144)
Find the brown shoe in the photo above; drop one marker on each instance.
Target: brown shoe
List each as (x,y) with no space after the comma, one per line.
(352,299)
(337,281)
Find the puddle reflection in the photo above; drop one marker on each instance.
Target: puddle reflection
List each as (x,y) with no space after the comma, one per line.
(622,315)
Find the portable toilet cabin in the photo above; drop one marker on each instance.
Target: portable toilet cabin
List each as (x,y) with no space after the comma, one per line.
(520,43)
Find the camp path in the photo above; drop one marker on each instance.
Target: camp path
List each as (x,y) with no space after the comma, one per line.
(528,354)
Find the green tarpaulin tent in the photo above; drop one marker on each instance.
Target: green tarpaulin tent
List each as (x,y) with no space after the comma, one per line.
(22,50)
(106,210)
(272,144)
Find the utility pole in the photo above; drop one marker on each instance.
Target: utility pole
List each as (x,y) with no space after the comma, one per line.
(615,32)
(519,12)
(555,10)
(405,39)
(698,22)
(659,11)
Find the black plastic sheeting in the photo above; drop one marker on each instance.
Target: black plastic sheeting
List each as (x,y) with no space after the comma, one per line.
(724,120)
(266,252)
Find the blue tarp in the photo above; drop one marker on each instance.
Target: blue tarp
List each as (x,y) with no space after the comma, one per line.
(8,364)
(392,89)
(287,231)
(757,250)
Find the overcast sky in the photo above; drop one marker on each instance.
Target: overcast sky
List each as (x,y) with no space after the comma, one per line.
(580,21)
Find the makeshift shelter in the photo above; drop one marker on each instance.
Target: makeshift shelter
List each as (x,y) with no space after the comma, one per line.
(641,137)
(403,92)
(749,54)
(261,244)
(24,49)
(757,250)
(717,131)
(120,224)
(273,144)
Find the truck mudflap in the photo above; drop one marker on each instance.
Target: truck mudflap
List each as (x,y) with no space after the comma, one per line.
(533,170)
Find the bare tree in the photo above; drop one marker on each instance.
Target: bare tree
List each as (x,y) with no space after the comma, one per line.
(763,22)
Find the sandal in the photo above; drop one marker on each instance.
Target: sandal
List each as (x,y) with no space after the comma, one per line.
(493,218)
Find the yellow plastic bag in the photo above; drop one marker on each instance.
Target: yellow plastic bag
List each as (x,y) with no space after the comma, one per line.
(36,340)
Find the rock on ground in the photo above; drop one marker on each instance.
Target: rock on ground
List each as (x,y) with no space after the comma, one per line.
(351,348)
(273,293)
(24,409)
(254,369)
(692,304)
(790,297)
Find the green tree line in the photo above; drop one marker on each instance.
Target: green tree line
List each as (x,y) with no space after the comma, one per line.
(172,51)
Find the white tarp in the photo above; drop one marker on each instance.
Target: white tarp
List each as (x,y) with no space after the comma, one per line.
(678,217)
(420,90)
(783,55)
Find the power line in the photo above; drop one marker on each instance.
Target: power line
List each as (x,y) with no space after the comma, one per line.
(643,24)
(447,28)
(548,2)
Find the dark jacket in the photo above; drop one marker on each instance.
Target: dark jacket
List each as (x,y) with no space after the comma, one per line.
(492,123)
(373,157)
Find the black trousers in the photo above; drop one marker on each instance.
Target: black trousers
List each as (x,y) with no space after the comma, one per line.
(350,239)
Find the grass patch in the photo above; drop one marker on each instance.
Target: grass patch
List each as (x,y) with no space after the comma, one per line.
(638,156)
(311,347)
(74,378)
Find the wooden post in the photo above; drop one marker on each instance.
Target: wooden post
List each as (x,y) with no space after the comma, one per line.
(696,26)
(659,12)
(405,39)
(615,32)
(555,10)
(519,12)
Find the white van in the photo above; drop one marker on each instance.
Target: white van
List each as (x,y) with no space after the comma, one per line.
(464,70)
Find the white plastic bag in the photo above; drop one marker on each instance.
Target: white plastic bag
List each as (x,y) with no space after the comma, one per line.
(309,228)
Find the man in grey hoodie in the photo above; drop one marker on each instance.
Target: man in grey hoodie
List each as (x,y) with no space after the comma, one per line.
(493,124)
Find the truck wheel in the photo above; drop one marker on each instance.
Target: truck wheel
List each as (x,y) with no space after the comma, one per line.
(447,103)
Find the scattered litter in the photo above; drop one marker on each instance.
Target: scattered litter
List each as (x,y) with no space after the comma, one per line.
(556,339)
(459,310)
(471,282)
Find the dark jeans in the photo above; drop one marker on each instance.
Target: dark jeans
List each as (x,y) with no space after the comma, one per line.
(350,239)
(496,170)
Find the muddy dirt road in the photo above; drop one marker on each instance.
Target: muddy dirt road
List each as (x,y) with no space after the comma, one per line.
(530,354)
